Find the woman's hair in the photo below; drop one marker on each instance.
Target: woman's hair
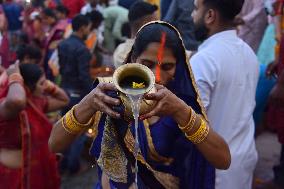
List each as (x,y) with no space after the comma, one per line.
(49,12)
(62,9)
(96,18)
(31,73)
(153,33)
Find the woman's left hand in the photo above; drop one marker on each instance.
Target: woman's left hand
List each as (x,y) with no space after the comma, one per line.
(49,86)
(167,103)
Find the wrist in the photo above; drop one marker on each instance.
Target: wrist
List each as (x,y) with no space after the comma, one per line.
(85,109)
(181,112)
(72,124)
(16,78)
(51,88)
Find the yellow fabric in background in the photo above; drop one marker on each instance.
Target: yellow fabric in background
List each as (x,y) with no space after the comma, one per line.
(155,2)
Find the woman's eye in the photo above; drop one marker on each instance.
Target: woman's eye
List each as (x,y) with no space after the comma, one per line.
(167,66)
(149,64)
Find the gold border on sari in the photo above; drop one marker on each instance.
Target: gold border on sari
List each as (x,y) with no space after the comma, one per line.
(153,154)
(167,180)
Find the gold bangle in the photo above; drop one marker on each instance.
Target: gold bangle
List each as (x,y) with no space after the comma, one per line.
(204,135)
(71,124)
(65,127)
(191,122)
(77,122)
(200,135)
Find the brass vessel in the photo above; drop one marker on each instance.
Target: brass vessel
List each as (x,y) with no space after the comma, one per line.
(123,78)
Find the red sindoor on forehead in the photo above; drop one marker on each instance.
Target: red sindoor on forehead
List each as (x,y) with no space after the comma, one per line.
(160,56)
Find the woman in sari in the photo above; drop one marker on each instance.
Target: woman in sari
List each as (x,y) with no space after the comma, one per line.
(55,35)
(168,155)
(25,160)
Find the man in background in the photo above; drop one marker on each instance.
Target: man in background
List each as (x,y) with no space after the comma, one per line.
(179,15)
(74,60)
(226,73)
(140,13)
(253,23)
(114,18)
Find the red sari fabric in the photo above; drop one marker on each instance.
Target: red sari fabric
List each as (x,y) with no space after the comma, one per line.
(4,43)
(74,6)
(39,166)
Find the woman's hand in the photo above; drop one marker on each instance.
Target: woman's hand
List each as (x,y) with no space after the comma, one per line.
(13,68)
(167,103)
(49,86)
(98,100)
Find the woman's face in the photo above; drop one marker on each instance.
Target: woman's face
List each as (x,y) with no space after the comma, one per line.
(167,66)
(40,85)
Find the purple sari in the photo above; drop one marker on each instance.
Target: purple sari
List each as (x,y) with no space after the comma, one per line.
(167,159)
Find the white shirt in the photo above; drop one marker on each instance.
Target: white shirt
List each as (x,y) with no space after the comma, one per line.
(88,8)
(121,52)
(226,73)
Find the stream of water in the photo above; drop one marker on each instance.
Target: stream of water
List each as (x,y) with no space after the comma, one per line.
(135,105)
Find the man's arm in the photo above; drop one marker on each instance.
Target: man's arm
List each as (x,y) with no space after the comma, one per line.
(258,7)
(116,31)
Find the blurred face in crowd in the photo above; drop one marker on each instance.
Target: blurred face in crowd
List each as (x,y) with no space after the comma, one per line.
(93,3)
(48,20)
(86,31)
(40,86)
(28,60)
(60,15)
(149,58)
(200,18)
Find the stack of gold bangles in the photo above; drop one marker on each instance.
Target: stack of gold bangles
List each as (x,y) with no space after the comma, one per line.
(201,133)
(72,126)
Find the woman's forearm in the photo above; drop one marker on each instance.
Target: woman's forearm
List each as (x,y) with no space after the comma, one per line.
(60,94)
(60,138)
(14,102)
(80,117)
(214,148)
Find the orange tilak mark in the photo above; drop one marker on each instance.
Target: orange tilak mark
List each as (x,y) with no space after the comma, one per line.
(160,56)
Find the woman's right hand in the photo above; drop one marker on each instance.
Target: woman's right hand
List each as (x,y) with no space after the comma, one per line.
(13,68)
(100,101)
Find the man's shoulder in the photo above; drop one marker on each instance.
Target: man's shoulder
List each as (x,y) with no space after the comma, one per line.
(72,41)
(204,54)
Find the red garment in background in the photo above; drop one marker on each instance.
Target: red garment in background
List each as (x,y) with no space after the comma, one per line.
(275,109)
(4,42)
(39,168)
(4,50)
(74,6)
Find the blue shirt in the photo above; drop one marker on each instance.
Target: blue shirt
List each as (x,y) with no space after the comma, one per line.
(13,14)
(74,60)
